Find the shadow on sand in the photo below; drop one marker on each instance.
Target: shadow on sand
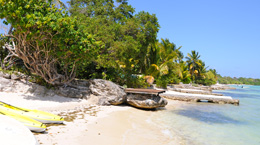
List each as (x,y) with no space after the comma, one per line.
(54,98)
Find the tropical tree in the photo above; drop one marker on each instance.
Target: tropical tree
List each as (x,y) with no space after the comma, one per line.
(165,67)
(204,76)
(126,38)
(3,52)
(9,60)
(202,70)
(49,41)
(165,60)
(183,73)
(193,63)
(152,56)
(180,55)
(215,73)
(149,27)
(58,3)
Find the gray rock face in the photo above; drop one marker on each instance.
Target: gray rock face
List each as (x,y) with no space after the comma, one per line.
(107,91)
(102,92)
(198,98)
(15,77)
(7,76)
(72,92)
(77,89)
(7,85)
(4,83)
(145,101)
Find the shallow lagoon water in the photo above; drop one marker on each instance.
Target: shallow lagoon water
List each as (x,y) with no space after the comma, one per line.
(214,124)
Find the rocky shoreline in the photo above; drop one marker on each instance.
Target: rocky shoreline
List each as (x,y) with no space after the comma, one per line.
(103,92)
(100,92)
(85,102)
(189,93)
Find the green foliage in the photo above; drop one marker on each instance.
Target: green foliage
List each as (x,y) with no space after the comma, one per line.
(58,47)
(164,62)
(215,73)
(207,81)
(41,81)
(183,72)
(186,80)
(193,63)
(175,79)
(240,80)
(162,81)
(43,33)
(138,82)
(198,70)
(3,52)
(126,38)
(6,71)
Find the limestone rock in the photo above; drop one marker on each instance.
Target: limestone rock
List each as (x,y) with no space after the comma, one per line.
(146,101)
(4,83)
(72,92)
(221,87)
(76,89)
(15,77)
(6,76)
(8,85)
(107,92)
(199,98)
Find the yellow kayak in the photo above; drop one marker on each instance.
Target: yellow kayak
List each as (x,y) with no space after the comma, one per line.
(31,124)
(41,116)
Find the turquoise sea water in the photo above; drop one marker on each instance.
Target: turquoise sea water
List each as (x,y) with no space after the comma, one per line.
(215,124)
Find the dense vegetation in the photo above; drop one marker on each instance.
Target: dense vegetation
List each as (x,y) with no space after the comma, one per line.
(241,80)
(94,39)
(48,41)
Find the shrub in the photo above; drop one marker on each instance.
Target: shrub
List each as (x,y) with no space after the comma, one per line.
(50,42)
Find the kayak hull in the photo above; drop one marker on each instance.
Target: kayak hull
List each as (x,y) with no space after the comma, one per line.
(31,124)
(41,116)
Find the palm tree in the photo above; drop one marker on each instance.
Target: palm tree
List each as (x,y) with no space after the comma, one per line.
(165,60)
(168,50)
(180,55)
(193,63)
(202,70)
(214,72)
(152,57)
(183,72)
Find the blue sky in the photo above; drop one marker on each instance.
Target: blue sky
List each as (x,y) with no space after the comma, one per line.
(226,33)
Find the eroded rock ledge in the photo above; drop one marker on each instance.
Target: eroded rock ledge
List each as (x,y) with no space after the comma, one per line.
(98,91)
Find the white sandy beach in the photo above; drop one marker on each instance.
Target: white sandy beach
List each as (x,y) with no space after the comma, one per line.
(90,124)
